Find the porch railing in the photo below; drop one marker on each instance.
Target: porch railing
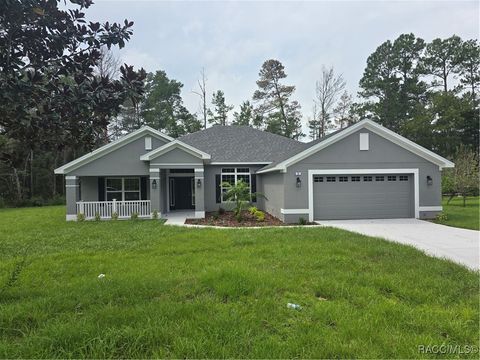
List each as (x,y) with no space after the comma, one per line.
(105,209)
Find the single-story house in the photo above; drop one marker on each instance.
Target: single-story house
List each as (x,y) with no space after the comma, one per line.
(362,171)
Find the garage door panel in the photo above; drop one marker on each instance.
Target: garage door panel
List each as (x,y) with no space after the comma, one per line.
(363,199)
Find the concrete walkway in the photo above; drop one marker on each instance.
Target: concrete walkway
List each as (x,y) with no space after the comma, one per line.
(459,245)
(178,217)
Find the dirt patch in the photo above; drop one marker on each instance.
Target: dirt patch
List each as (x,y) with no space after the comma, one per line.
(228,219)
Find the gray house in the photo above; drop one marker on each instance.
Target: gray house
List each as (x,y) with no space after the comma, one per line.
(363,171)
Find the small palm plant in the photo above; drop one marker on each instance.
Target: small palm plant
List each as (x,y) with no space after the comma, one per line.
(240,194)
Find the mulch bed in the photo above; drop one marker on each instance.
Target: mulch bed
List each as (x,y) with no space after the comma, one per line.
(228,219)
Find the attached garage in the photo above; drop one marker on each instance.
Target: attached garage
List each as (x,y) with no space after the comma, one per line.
(363,196)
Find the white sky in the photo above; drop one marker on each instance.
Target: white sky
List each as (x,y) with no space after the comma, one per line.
(231,39)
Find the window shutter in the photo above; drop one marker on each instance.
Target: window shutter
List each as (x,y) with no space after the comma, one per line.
(253,180)
(101,189)
(143,188)
(218,190)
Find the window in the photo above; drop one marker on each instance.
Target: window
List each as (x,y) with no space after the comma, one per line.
(233,176)
(392,178)
(380,178)
(331,179)
(148,143)
(343,178)
(122,189)
(364,145)
(367,178)
(403,177)
(355,178)
(317,178)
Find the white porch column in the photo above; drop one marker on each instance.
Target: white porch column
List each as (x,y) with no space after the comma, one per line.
(72,193)
(199,193)
(155,191)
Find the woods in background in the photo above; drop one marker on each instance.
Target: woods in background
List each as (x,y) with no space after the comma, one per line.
(63,93)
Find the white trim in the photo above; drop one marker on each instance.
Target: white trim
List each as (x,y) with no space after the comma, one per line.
(176,165)
(236,163)
(76,185)
(106,149)
(364,142)
(294,211)
(156,170)
(174,145)
(415,172)
(123,191)
(431,208)
(377,129)
(199,214)
(198,170)
(235,174)
(70,177)
(71,217)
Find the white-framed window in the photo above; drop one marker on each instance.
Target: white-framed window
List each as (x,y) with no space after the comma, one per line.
(392,178)
(122,189)
(148,143)
(403,177)
(367,178)
(343,178)
(331,178)
(232,176)
(355,178)
(379,178)
(317,178)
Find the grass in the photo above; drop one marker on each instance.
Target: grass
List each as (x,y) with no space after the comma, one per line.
(467,217)
(198,293)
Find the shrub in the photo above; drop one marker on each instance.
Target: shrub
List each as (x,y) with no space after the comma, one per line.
(302,221)
(215,215)
(441,217)
(155,214)
(260,215)
(97,216)
(134,216)
(114,215)
(252,210)
(80,217)
(221,210)
(2,203)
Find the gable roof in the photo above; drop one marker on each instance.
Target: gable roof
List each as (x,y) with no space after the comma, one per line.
(175,145)
(235,144)
(320,144)
(108,148)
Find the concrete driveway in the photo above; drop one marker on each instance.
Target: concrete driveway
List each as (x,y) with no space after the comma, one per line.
(459,245)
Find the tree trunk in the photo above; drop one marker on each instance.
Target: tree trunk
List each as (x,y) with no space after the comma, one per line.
(18,186)
(464,199)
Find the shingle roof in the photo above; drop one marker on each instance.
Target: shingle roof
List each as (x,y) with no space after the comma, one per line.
(242,144)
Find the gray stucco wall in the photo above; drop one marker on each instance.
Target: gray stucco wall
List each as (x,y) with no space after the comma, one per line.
(89,188)
(273,187)
(176,156)
(209,179)
(345,154)
(123,161)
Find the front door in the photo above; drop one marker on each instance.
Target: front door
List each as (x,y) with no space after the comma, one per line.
(181,193)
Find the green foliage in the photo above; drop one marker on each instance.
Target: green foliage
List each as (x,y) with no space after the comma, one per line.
(459,214)
(155,214)
(302,221)
(115,215)
(441,217)
(215,215)
(97,216)
(134,216)
(448,181)
(239,193)
(220,111)
(80,217)
(281,115)
(260,216)
(252,210)
(466,177)
(377,292)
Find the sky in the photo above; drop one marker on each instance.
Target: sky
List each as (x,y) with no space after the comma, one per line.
(231,39)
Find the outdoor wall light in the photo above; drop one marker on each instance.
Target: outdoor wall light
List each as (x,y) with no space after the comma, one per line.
(199,183)
(298,182)
(154,184)
(429,180)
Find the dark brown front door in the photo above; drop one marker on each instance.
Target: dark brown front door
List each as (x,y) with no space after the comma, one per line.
(181,196)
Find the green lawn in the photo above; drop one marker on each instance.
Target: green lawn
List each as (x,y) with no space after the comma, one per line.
(467,217)
(179,292)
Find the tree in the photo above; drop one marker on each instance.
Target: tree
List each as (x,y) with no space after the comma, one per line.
(51,97)
(246,116)
(163,107)
(469,68)
(202,93)
(219,115)
(240,194)
(281,115)
(465,172)
(343,112)
(109,64)
(327,90)
(442,58)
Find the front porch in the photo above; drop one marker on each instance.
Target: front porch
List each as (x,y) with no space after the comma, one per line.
(164,191)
